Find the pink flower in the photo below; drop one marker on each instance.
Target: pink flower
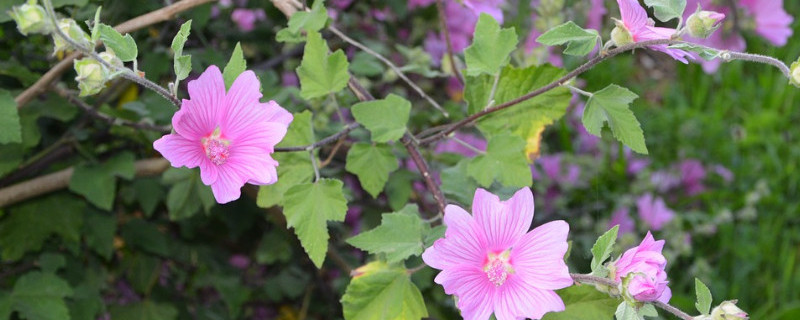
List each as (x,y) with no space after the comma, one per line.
(692,175)
(640,28)
(230,136)
(772,22)
(419,3)
(246,19)
(623,220)
(490,7)
(552,168)
(492,265)
(653,211)
(646,263)
(453,146)
(723,39)
(597,10)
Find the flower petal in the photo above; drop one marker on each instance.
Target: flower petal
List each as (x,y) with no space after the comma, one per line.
(276,113)
(538,258)
(464,243)
(633,15)
(243,108)
(201,114)
(474,291)
(179,151)
(504,222)
(517,300)
(228,186)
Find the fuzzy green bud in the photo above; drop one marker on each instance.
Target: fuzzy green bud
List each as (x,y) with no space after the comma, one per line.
(92,75)
(795,73)
(727,310)
(702,24)
(30,18)
(621,35)
(70,28)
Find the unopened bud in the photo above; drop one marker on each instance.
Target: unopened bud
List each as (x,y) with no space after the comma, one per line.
(71,29)
(702,24)
(795,73)
(621,35)
(727,310)
(30,18)
(92,75)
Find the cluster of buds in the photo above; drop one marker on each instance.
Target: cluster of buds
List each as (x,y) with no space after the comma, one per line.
(31,18)
(727,310)
(93,75)
(702,24)
(72,30)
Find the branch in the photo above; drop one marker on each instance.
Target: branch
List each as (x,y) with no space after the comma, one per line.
(150,18)
(328,140)
(104,117)
(60,180)
(590,279)
(391,65)
(410,144)
(450,55)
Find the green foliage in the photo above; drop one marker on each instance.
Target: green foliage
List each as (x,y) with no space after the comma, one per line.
(26,227)
(99,230)
(602,249)
(704,298)
(612,105)
(504,161)
(295,167)
(381,292)
(146,309)
(526,119)
(666,10)
(313,20)
(457,183)
(386,118)
(399,236)
(308,207)
(491,47)
(188,194)
(702,51)
(233,293)
(372,164)
(182,63)
(626,311)
(40,296)
(123,47)
(320,73)
(236,65)
(98,182)
(584,302)
(10,128)
(579,41)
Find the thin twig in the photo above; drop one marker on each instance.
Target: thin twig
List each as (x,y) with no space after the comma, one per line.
(327,140)
(467,145)
(333,152)
(314,164)
(413,151)
(446,31)
(590,279)
(104,117)
(391,65)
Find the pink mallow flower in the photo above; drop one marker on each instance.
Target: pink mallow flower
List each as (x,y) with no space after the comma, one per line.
(622,219)
(493,264)
(637,27)
(654,212)
(645,264)
(772,21)
(490,7)
(230,136)
(692,175)
(246,19)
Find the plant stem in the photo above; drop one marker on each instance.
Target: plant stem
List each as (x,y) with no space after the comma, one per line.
(590,279)
(450,55)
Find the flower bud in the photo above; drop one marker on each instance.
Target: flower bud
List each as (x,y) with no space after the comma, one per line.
(92,75)
(727,310)
(30,18)
(70,28)
(621,35)
(795,73)
(702,24)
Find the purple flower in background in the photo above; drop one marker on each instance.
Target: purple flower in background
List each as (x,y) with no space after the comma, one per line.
(419,3)
(453,146)
(772,22)
(353,218)
(289,79)
(461,23)
(246,19)
(239,261)
(653,211)
(490,7)
(340,4)
(623,220)
(597,10)
(664,180)
(723,172)
(692,175)
(552,167)
(435,46)
(636,165)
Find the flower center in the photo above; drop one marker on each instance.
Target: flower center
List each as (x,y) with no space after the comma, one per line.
(498,268)
(217,149)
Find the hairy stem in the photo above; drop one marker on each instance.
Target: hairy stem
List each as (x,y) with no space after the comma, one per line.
(446,32)
(590,279)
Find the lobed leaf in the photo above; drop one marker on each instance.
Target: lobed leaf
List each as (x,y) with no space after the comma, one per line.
(666,10)
(10,127)
(386,118)
(602,249)
(236,65)
(372,164)
(580,41)
(308,207)
(124,47)
(612,105)
(504,161)
(381,292)
(320,73)
(399,236)
(491,47)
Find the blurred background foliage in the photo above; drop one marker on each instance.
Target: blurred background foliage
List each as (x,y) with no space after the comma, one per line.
(164,250)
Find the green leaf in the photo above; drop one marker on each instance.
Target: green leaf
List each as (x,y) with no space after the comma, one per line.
(286,35)
(313,20)
(320,73)
(704,52)
(51,262)
(124,47)
(526,119)
(380,292)
(372,164)
(27,226)
(612,105)
(6,305)
(504,161)
(147,309)
(234,294)
(274,247)
(99,230)
(399,236)
(308,207)
(398,188)
(10,128)
(182,63)
(666,10)
(584,302)
(491,47)
(703,297)
(98,183)
(457,183)
(40,296)
(602,249)
(579,41)
(625,311)
(295,167)
(386,119)
(236,65)
(145,236)
(188,193)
